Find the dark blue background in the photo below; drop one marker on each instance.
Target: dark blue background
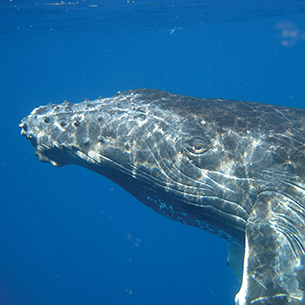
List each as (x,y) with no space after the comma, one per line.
(69,236)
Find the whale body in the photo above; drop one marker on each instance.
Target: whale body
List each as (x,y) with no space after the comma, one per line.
(234,168)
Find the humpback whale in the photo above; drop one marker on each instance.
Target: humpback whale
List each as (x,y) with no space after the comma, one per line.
(234,168)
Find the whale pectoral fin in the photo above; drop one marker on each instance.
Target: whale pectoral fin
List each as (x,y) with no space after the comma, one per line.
(235,259)
(274,261)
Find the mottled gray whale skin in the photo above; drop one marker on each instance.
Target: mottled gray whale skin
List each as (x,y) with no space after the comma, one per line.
(236,169)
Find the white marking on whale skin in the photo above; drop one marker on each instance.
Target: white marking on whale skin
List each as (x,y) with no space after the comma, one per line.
(240,298)
(94,156)
(85,157)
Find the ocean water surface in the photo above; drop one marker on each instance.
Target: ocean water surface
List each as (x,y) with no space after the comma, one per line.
(70,236)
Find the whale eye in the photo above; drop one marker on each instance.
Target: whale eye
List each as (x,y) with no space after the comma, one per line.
(197,145)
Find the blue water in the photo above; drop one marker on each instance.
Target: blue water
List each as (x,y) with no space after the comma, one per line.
(70,236)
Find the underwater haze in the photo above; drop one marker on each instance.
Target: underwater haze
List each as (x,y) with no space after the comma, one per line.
(70,236)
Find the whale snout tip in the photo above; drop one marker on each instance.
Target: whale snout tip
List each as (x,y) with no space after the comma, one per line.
(25,132)
(24,128)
